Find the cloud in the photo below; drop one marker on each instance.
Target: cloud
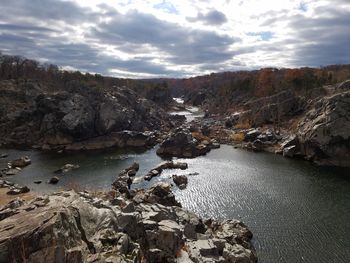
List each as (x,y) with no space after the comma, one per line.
(160,38)
(182,45)
(213,17)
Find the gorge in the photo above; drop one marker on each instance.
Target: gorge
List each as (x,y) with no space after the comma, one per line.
(279,163)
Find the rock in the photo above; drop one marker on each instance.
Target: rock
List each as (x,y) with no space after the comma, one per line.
(75,115)
(290,151)
(53,180)
(18,190)
(160,193)
(180,180)
(291,140)
(11,171)
(38,182)
(165,165)
(3,155)
(124,179)
(81,228)
(252,135)
(271,109)
(21,162)
(67,168)
(180,143)
(324,132)
(258,145)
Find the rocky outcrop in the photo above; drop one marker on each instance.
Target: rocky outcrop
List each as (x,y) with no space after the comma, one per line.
(13,189)
(79,227)
(267,110)
(21,162)
(76,117)
(124,179)
(156,171)
(181,143)
(67,168)
(15,166)
(324,133)
(180,180)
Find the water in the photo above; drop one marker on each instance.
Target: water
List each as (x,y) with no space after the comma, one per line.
(191,113)
(298,212)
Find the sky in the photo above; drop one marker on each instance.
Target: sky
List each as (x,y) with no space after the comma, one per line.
(163,38)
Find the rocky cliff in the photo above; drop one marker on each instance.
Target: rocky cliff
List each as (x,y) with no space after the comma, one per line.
(324,132)
(31,114)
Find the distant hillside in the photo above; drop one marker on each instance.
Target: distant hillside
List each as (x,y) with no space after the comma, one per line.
(229,90)
(20,68)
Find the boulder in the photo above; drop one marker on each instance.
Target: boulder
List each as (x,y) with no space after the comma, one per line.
(3,155)
(53,180)
(290,151)
(180,180)
(15,190)
(21,162)
(252,135)
(165,165)
(180,143)
(67,168)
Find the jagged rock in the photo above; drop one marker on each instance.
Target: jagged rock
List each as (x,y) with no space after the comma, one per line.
(18,190)
(11,208)
(12,171)
(180,143)
(3,155)
(180,180)
(271,109)
(67,168)
(252,135)
(165,165)
(53,180)
(71,227)
(124,179)
(324,133)
(21,162)
(76,117)
(290,151)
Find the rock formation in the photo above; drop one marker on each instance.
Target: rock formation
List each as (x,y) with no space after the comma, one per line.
(324,133)
(181,143)
(33,115)
(80,227)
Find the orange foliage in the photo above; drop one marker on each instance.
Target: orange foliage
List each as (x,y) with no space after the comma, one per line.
(200,137)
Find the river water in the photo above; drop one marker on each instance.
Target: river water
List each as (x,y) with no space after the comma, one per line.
(298,212)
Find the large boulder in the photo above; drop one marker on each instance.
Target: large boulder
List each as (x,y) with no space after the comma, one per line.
(181,143)
(324,133)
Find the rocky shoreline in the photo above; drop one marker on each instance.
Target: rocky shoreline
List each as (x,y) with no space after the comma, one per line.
(118,226)
(317,130)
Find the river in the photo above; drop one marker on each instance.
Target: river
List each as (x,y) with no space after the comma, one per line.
(298,212)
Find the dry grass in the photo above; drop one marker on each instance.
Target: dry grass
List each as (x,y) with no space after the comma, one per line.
(200,137)
(237,137)
(243,125)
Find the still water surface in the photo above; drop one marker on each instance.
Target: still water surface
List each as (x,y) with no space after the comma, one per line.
(297,212)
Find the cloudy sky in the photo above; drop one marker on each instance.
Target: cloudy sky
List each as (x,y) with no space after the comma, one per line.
(178,38)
